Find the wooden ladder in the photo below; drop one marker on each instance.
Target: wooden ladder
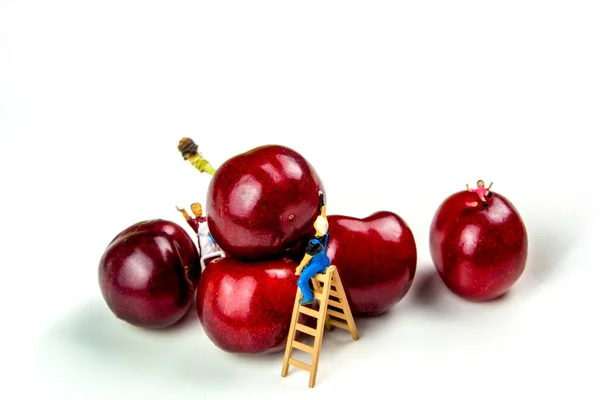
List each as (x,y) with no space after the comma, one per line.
(328,290)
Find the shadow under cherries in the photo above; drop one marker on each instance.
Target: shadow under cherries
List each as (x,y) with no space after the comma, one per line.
(430,294)
(91,341)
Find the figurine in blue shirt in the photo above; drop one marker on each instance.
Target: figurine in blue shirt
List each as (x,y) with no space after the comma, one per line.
(315,260)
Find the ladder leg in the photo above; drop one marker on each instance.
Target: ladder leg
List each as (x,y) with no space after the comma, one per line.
(320,324)
(328,326)
(346,306)
(319,289)
(316,285)
(291,336)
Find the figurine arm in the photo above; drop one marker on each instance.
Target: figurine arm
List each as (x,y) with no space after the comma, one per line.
(184,213)
(468,188)
(489,187)
(303,263)
(324,212)
(191,221)
(321,204)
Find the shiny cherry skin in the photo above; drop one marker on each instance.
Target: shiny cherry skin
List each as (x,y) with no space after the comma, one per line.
(479,252)
(376,258)
(246,307)
(262,202)
(148,274)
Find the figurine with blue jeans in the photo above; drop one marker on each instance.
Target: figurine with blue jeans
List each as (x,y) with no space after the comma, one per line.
(315,260)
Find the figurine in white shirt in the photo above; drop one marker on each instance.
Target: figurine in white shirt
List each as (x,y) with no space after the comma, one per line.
(208,247)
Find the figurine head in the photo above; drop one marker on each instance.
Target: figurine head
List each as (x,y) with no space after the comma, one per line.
(187,147)
(480,183)
(321,225)
(196,209)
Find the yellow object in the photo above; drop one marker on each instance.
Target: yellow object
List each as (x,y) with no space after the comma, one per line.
(201,164)
(333,311)
(184,213)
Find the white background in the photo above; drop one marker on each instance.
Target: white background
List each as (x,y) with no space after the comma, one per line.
(396,104)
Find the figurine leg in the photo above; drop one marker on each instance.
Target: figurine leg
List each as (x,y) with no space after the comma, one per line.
(308,272)
(307,295)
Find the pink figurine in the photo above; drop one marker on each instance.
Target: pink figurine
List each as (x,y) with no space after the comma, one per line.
(482,192)
(208,247)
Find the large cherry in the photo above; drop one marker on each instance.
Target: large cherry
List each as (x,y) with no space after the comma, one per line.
(376,258)
(262,202)
(246,307)
(148,274)
(479,251)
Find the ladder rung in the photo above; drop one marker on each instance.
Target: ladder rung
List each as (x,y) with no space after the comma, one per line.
(334,293)
(321,278)
(336,314)
(301,346)
(339,324)
(299,364)
(317,295)
(309,311)
(336,304)
(306,329)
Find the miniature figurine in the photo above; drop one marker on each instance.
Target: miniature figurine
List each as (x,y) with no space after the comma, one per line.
(208,247)
(315,260)
(482,192)
(189,151)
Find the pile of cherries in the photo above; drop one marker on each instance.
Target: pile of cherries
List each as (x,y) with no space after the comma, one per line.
(261,206)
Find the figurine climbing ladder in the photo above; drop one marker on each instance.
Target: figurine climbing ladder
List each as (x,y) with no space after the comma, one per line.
(328,290)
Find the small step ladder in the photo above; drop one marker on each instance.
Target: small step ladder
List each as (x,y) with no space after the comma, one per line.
(328,290)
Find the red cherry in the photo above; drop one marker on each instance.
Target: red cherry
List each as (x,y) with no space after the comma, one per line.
(479,251)
(246,307)
(148,274)
(262,202)
(376,258)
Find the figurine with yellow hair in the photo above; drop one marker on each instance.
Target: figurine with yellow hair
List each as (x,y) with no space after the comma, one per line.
(315,260)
